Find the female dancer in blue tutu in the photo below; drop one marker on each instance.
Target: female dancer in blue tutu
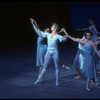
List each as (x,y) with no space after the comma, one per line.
(41,49)
(79,58)
(92,29)
(89,66)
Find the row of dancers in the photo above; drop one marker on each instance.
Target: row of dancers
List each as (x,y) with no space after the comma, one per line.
(46,52)
(79,56)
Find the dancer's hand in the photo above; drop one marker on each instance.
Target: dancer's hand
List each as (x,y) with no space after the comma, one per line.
(66,36)
(47,30)
(62,29)
(32,20)
(65,31)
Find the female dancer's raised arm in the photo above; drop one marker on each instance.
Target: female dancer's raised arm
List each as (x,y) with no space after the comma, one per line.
(72,38)
(83,29)
(35,26)
(80,41)
(37,29)
(96,43)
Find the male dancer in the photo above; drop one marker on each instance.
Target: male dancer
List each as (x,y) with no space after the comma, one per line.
(52,49)
(42,49)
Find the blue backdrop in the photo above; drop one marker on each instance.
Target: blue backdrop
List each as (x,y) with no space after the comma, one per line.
(81,11)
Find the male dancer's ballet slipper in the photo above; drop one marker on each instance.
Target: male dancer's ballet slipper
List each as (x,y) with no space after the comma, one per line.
(37,81)
(88,89)
(78,77)
(66,67)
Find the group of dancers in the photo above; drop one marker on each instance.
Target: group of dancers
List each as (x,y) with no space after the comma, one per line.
(85,56)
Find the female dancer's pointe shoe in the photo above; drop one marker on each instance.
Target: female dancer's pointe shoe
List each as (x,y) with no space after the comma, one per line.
(96,80)
(88,89)
(65,67)
(97,85)
(77,77)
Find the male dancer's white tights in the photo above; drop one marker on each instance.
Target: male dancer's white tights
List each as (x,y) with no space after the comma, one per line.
(54,54)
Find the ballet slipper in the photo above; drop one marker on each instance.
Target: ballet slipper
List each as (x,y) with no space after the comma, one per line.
(77,77)
(37,81)
(65,67)
(88,89)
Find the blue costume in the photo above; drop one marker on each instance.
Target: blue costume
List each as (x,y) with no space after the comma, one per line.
(94,37)
(41,51)
(89,66)
(52,51)
(79,58)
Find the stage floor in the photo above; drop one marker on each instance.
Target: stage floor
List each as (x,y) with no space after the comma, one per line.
(18,74)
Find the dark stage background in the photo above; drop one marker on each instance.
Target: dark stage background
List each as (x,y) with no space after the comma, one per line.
(16,29)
